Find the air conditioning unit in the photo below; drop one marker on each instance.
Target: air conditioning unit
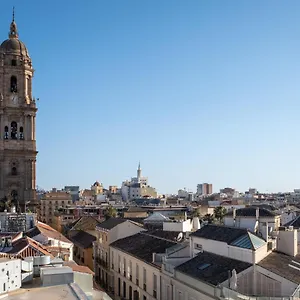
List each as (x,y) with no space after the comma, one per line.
(291,228)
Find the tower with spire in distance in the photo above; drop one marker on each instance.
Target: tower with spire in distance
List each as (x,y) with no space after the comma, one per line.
(139,172)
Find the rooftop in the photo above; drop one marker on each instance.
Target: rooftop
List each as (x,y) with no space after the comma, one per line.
(65,291)
(111,223)
(143,246)
(48,231)
(238,237)
(251,212)
(211,268)
(283,265)
(82,238)
(85,223)
(295,223)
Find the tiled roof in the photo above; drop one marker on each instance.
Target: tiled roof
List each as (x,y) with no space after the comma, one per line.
(111,223)
(251,212)
(82,239)
(143,246)
(238,237)
(51,232)
(211,268)
(86,223)
(77,268)
(21,244)
(283,265)
(47,231)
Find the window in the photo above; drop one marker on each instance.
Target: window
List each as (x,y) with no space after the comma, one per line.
(137,275)
(130,270)
(14,129)
(203,266)
(13,62)
(144,279)
(124,289)
(21,133)
(119,287)
(6,132)
(124,267)
(199,247)
(14,171)
(119,264)
(13,84)
(154,286)
(112,259)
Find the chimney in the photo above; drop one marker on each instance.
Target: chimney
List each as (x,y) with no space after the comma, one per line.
(153,257)
(234,213)
(257,213)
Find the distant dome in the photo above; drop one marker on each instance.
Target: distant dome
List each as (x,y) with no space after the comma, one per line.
(97,183)
(14,46)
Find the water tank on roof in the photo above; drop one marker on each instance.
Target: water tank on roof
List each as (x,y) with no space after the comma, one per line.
(41,260)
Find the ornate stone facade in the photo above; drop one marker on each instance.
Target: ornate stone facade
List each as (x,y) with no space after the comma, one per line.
(17,123)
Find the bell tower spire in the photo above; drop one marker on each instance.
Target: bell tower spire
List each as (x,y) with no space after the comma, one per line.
(139,172)
(13,32)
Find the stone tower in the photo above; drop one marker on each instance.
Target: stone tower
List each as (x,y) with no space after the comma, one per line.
(17,124)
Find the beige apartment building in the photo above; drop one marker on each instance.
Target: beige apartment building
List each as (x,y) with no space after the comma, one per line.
(51,202)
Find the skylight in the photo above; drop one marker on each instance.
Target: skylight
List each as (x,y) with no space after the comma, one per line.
(203,266)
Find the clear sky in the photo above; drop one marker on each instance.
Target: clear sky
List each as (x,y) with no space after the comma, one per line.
(198,91)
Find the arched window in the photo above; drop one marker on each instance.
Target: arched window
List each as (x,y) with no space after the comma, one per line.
(14,171)
(21,133)
(14,130)
(6,132)
(13,84)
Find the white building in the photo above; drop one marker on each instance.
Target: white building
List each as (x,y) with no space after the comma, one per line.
(10,275)
(253,218)
(137,188)
(108,232)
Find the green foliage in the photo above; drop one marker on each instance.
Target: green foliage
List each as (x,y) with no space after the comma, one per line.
(219,213)
(208,218)
(111,212)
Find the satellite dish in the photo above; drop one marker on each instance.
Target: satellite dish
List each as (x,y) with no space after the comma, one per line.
(179,237)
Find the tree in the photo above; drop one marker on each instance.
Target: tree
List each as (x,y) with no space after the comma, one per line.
(110,212)
(219,213)
(208,218)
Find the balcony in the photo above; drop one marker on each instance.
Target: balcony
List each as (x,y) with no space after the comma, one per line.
(102,262)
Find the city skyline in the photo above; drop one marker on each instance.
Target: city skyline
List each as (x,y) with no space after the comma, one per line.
(196,91)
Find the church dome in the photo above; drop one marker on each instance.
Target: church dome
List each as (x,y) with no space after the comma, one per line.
(14,46)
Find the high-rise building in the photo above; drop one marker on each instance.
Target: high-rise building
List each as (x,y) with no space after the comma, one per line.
(204,189)
(17,122)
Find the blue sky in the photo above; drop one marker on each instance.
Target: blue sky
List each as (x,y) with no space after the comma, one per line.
(198,91)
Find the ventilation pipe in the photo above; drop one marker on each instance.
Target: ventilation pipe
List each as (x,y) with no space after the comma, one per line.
(257,213)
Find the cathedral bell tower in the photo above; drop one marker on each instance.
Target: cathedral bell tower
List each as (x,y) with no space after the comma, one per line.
(17,124)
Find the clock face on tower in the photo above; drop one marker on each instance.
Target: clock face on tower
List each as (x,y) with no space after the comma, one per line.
(14,99)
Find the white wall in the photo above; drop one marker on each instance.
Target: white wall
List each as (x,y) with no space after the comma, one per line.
(223,249)
(123,230)
(185,226)
(10,275)
(150,270)
(284,288)
(287,242)
(249,222)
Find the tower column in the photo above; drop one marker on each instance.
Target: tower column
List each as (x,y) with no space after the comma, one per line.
(2,126)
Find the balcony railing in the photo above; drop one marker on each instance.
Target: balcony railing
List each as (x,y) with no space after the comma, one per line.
(102,262)
(230,294)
